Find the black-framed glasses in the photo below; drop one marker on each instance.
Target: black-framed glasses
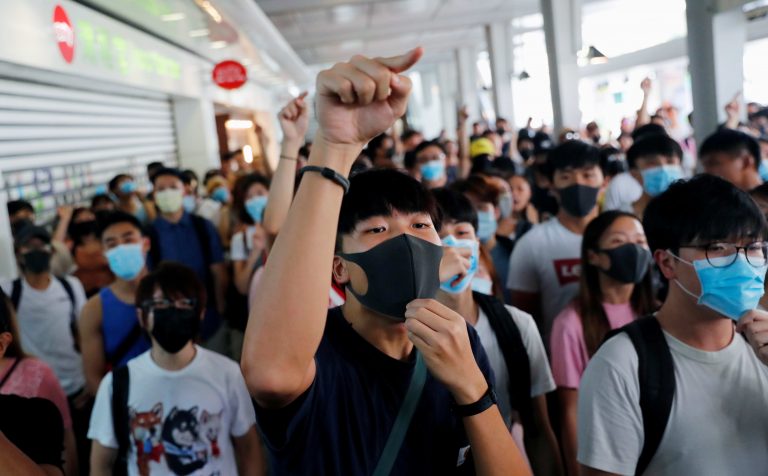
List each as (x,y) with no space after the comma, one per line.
(182,303)
(722,255)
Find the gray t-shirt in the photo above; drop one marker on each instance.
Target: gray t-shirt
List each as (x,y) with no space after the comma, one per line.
(719,420)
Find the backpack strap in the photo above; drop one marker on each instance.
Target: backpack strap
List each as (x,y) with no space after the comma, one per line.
(125,345)
(155,254)
(515,356)
(16,293)
(73,311)
(121,382)
(201,231)
(656,376)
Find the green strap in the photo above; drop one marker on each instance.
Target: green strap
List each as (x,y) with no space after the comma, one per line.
(403,420)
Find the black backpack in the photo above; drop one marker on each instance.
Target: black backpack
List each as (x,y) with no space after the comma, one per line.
(515,356)
(16,299)
(121,381)
(656,376)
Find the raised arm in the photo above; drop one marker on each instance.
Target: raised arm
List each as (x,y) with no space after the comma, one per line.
(462,136)
(643,117)
(355,102)
(92,344)
(294,121)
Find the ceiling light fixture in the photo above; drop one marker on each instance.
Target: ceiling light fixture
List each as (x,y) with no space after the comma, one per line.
(173,16)
(238,124)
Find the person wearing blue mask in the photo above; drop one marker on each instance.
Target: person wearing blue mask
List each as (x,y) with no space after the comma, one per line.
(427,164)
(125,191)
(249,246)
(522,401)
(110,333)
(655,162)
(648,389)
(191,184)
(545,265)
(734,156)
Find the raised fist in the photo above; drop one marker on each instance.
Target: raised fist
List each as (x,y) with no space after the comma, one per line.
(294,119)
(360,99)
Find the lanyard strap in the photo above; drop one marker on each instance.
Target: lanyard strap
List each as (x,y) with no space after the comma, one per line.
(403,420)
(10,371)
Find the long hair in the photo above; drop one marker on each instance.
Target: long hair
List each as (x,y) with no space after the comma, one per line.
(8,324)
(589,300)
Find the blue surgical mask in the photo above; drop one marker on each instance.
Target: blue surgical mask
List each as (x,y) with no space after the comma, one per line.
(657,180)
(483,286)
(189,202)
(126,261)
(221,195)
(486,225)
(432,170)
(255,207)
(457,288)
(763,170)
(730,291)
(128,187)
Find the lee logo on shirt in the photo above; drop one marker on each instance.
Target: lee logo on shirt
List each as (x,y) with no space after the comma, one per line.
(567,270)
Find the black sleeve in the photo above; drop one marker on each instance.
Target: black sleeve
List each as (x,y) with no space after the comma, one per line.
(34,426)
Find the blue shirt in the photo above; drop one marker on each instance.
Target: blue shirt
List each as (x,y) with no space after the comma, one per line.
(118,321)
(179,242)
(340,424)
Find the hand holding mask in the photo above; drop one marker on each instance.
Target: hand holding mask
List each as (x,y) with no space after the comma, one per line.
(754,325)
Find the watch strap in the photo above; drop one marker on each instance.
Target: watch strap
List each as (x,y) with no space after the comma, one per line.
(330,174)
(486,401)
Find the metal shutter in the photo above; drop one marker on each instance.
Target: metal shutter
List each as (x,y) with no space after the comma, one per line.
(59,144)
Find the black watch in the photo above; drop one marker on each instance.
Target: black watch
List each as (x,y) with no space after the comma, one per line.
(486,401)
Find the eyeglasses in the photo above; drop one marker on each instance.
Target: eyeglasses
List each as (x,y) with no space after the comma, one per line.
(722,255)
(182,303)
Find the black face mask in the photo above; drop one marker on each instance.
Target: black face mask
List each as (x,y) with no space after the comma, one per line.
(175,327)
(36,261)
(526,153)
(578,200)
(390,152)
(399,270)
(629,263)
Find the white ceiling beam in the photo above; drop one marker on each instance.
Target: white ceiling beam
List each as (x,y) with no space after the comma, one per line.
(332,35)
(275,7)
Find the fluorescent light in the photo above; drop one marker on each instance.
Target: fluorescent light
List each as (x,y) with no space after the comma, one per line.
(173,16)
(238,124)
(199,33)
(210,10)
(217,45)
(248,154)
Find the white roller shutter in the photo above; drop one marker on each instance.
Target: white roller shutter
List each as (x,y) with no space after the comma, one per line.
(58,144)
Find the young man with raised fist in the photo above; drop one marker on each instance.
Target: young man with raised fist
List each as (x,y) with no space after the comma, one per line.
(393,382)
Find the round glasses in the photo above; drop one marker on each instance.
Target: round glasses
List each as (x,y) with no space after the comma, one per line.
(150,304)
(722,255)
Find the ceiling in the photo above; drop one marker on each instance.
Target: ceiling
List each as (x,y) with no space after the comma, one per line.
(326,31)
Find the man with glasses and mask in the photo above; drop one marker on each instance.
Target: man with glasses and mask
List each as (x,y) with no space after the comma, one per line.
(392,382)
(179,408)
(681,392)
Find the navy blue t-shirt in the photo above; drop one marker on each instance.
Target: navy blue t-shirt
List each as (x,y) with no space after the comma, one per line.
(340,424)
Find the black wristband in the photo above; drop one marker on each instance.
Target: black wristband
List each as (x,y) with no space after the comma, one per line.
(486,401)
(330,174)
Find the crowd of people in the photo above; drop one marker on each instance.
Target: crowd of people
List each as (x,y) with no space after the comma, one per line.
(503,303)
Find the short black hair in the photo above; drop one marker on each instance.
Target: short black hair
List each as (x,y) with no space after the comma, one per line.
(380,192)
(113,218)
(612,161)
(455,206)
(168,172)
(174,280)
(408,133)
(429,143)
(188,176)
(153,167)
(409,159)
(701,210)
(648,130)
(16,206)
(478,186)
(573,154)
(374,144)
(240,189)
(100,199)
(731,142)
(112,184)
(651,145)
(210,174)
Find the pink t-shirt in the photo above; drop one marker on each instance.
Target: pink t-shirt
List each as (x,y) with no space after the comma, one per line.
(569,356)
(32,378)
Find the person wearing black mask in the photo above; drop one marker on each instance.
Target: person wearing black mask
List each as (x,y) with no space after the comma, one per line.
(544,266)
(614,290)
(381,151)
(47,308)
(190,404)
(392,382)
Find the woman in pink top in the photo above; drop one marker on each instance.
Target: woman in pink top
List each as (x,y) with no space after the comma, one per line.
(615,288)
(28,377)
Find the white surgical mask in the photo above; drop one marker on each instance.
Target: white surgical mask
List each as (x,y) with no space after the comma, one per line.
(169,200)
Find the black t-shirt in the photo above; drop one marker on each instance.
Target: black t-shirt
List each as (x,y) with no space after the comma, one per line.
(340,424)
(34,426)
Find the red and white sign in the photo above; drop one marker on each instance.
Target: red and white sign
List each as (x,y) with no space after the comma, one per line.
(65,33)
(230,74)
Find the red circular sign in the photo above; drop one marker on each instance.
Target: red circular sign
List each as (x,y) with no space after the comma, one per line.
(230,74)
(65,33)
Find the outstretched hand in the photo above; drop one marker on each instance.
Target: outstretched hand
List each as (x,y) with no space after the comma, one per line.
(360,99)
